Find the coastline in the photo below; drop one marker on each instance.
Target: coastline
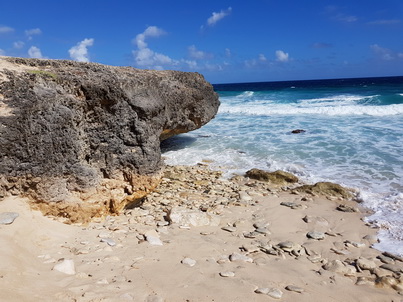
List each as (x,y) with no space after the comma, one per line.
(199,237)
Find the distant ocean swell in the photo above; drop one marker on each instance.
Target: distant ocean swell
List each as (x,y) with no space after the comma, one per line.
(354,136)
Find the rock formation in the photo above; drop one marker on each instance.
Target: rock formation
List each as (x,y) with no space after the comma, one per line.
(82,139)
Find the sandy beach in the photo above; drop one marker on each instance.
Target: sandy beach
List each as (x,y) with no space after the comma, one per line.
(199,237)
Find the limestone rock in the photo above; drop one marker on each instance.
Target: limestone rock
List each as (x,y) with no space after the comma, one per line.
(66,266)
(326,189)
(337,266)
(365,264)
(8,217)
(184,216)
(83,139)
(153,238)
(278,177)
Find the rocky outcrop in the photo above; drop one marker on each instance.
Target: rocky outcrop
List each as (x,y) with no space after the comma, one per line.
(327,189)
(82,139)
(276,178)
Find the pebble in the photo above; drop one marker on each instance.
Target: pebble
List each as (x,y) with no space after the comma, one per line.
(243,196)
(316,235)
(294,288)
(230,229)
(227,274)
(365,264)
(109,241)
(104,235)
(66,267)
(8,217)
(189,262)
(153,238)
(392,267)
(347,209)
(261,224)
(337,266)
(287,246)
(239,257)
(291,205)
(385,259)
(263,231)
(263,291)
(275,293)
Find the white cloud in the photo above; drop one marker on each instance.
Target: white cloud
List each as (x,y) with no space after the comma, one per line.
(262,58)
(80,51)
(144,56)
(192,64)
(281,56)
(2,52)
(6,29)
(384,53)
(35,52)
(385,22)
(215,17)
(151,31)
(228,53)
(32,32)
(196,54)
(18,44)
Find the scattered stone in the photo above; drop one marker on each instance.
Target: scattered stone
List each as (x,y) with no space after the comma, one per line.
(316,235)
(291,205)
(152,238)
(337,266)
(339,251)
(278,177)
(230,229)
(365,264)
(392,267)
(288,246)
(354,244)
(317,220)
(243,196)
(393,256)
(239,257)
(294,288)
(227,274)
(104,235)
(263,290)
(385,259)
(371,238)
(196,218)
(261,224)
(8,217)
(189,261)
(109,241)
(346,208)
(264,231)
(275,293)
(66,266)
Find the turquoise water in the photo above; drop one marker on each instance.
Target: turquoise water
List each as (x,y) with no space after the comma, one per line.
(353,136)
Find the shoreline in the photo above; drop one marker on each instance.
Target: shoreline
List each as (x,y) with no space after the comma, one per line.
(199,237)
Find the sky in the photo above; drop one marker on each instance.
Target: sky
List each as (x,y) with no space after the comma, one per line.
(226,41)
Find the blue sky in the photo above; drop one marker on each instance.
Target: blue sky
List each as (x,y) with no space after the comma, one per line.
(226,41)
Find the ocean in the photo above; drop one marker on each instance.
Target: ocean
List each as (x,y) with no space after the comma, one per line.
(353,135)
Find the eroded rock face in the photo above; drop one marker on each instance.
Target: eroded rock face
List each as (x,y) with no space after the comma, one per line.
(82,139)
